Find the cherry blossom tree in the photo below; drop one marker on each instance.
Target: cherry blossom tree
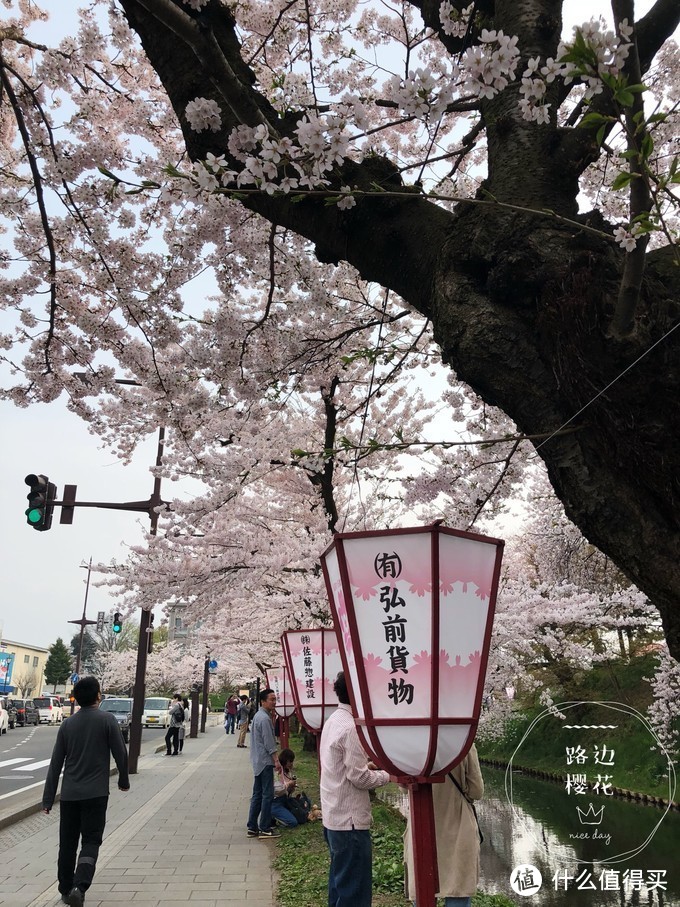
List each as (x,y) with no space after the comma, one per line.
(350,174)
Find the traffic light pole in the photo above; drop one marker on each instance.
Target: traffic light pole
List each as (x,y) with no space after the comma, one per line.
(83,622)
(145,628)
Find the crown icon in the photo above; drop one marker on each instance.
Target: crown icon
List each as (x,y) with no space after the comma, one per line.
(590,817)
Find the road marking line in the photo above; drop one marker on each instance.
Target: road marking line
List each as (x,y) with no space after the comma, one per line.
(33,766)
(7,762)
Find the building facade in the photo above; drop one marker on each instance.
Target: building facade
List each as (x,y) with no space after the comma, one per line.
(22,668)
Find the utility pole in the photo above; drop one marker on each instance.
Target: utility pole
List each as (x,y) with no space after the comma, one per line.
(145,627)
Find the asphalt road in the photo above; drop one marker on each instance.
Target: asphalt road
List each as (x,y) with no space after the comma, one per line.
(25,756)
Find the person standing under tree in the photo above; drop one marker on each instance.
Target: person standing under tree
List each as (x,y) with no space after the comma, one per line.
(84,746)
(346,778)
(183,726)
(176,722)
(457,834)
(243,721)
(230,713)
(264,759)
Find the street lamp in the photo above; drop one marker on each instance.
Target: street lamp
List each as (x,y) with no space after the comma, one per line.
(312,658)
(278,680)
(414,611)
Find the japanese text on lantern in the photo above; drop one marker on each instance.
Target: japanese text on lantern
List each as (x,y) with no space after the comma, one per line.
(388,566)
(307,666)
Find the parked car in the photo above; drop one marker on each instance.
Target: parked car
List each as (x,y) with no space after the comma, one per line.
(49,709)
(26,712)
(7,704)
(7,709)
(122,711)
(156,712)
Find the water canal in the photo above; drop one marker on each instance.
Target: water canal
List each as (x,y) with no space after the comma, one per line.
(535,829)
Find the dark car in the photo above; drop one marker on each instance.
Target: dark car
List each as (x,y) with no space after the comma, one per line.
(26,712)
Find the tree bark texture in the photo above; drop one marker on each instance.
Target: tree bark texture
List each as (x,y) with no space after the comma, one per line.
(521,303)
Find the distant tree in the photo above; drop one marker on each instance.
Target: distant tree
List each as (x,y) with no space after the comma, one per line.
(25,683)
(58,666)
(90,647)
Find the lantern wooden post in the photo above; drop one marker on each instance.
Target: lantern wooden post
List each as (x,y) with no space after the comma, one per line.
(424,843)
(413,610)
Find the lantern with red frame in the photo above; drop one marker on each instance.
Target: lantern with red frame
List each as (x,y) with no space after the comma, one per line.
(278,679)
(313,661)
(414,612)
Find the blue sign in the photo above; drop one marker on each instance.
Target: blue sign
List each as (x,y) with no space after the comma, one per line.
(75,678)
(212,664)
(6,665)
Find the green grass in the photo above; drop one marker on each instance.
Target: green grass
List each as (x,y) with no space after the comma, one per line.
(639,766)
(302,856)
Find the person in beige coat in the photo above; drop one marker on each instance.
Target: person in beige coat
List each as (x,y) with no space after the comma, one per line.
(457,835)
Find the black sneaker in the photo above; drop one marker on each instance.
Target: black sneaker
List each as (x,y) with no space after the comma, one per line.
(75,898)
(272,833)
(251,834)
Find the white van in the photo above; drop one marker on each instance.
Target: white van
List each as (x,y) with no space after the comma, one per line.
(156,712)
(49,709)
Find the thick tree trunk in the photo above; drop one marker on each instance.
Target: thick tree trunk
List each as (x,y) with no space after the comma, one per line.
(521,304)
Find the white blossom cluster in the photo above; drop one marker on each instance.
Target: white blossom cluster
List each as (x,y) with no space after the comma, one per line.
(484,71)
(195,4)
(610,50)
(279,164)
(454,23)
(202,114)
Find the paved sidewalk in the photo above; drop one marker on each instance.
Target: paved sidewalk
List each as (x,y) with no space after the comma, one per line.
(179,835)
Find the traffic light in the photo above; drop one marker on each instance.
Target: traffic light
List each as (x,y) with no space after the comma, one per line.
(40,497)
(117,624)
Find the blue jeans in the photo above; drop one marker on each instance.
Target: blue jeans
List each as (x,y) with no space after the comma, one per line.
(350,880)
(231,722)
(283,815)
(261,800)
(454,902)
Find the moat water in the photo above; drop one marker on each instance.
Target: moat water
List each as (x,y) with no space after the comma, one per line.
(531,826)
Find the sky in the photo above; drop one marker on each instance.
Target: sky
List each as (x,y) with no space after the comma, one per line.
(43,585)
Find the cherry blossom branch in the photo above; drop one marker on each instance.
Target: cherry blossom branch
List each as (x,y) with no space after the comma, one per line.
(203,43)
(44,219)
(640,199)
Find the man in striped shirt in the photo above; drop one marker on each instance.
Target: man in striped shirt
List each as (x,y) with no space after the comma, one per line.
(346,778)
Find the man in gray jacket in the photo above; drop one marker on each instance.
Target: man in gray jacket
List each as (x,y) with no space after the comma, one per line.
(263,757)
(85,743)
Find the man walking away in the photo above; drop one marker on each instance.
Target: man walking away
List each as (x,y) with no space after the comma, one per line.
(346,778)
(243,721)
(264,759)
(176,722)
(85,743)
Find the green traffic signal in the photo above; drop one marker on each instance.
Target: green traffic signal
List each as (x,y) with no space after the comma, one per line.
(117,624)
(40,498)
